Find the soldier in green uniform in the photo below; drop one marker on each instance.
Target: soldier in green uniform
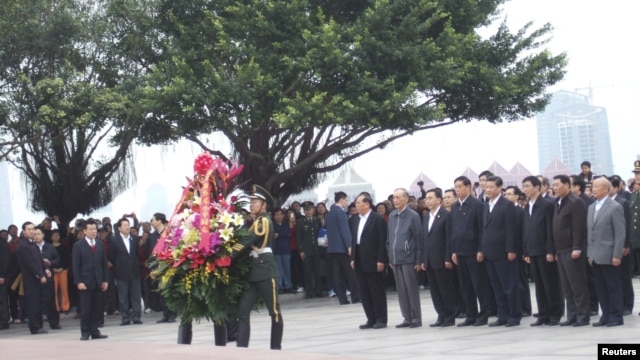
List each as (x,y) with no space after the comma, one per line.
(310,252)
(634,223)
(263,275)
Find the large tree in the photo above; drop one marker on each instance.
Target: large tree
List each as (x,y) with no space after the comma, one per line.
(65,114)
(300,86)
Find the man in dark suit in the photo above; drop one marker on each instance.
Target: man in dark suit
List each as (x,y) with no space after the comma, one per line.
(90,275)
(569,236)
(515,195)
(34,277)
(578,188)
(155,301)
(51,260)
(124,257)
(432,252)
(4,283)
(606,232)
(368,257)
(539,251)
(626,268)
(498,250)
(465,232)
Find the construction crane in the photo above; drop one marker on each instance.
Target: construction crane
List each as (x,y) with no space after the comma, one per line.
(590,88)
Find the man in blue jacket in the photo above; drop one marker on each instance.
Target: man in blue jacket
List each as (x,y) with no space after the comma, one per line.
(339,250)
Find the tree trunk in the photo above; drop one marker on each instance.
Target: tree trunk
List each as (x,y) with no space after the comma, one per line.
(185,333)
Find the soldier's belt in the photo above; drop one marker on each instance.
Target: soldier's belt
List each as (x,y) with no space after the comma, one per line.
(256,252)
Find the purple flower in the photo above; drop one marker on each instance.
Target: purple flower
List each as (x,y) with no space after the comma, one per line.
(176,237)
(215,242)
(194,220)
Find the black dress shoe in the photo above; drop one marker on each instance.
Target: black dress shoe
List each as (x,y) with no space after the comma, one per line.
(39,332)
(163,320)
(614,323)
(415,324)
(467,322)
(379,325)
(553,322)
(540,322)
(480,323)
(447,324)
(464,315)
(56,327)
(536,314)
(366,326)
(626,312)
(496,323)
(171,320)
(137,322)
(567,323)
(403,325)
(99,336)
(598,324)
(84,337)
(512,324)
(580,323)
(125,323)
(436,324)
(526,313)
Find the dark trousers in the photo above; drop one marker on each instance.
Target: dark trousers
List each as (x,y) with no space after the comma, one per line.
(312,283)
(13,299)
(503,276)
(268,291)
(573,278)
(297,272)
(475,285)
(90,311)
(110,297)
(626,275)
(372,294)
(442,293)
(343,273)
(609,288)
(4,304)
(461,307)
(548,291)
(32,299)
(48,303)
(129,294)
(523,285)
(593,295)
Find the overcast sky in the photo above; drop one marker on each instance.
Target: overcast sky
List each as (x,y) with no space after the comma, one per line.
(600,40)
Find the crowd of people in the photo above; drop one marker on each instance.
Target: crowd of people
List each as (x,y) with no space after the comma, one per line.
(574,236)
(89,269)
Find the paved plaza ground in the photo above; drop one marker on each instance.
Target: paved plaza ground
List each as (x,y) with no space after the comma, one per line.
(322,329)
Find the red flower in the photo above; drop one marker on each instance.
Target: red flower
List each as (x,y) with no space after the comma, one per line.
(212,266)
(224,261)
(203,163)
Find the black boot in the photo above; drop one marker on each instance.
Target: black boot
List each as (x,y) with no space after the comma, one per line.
(185,333)
(220,334)
(244,330)
(276,334)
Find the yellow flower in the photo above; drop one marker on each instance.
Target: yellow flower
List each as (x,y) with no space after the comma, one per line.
(226,233)
(225,218)
(238,220)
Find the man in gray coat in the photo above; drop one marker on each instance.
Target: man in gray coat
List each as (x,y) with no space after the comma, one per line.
(404,232)
(605,241)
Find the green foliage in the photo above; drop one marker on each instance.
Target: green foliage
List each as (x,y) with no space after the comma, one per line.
(195,294)
(297,85)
